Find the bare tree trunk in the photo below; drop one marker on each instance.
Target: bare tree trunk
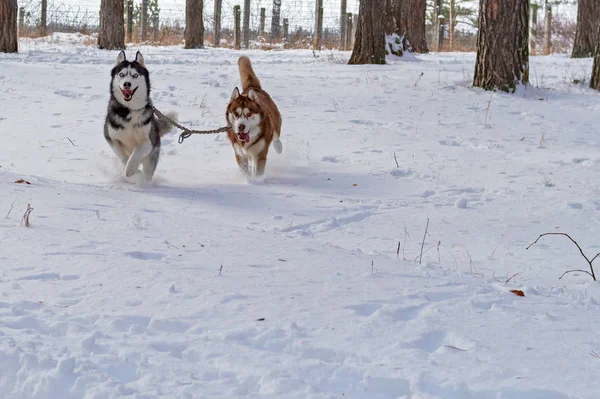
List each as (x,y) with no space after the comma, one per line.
(8,26)
(261,26)
(343,25)
(246,24)
(502,45)
(451,25)
(437,11)
(43,18)
(237,30)
(276,13)
(144,17)
(595,80)
(369,46)
(548,30)
(217,23)
(112,25)
(533,19)
(194,25)
(588,21)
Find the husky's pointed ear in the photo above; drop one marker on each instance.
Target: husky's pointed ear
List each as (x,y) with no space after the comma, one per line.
(252,95)
(235,95)
(139,59)
(120,58)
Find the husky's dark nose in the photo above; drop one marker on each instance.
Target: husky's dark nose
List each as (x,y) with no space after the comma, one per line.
(127,85)
(242,128)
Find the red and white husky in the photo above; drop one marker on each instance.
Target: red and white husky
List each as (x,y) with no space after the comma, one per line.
(254,120)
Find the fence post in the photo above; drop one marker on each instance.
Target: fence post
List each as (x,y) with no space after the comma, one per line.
(236,28)
(21,20)
(548,32)
(318,25)
(130,20)
(217,23)
(144,19)
(349,31)
(43,22)
(261,27)
(286,30)
(275,19)
(246,30)
(343,26)
(533,19)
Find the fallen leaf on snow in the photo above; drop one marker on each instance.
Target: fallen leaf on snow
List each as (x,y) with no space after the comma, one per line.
(518,292)
(21,181)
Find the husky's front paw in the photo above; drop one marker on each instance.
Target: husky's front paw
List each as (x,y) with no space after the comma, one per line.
(130,171)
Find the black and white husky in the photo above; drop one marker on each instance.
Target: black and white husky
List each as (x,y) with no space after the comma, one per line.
(131,129)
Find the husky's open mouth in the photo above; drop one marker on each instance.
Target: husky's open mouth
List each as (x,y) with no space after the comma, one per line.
(128,93)
(245,137)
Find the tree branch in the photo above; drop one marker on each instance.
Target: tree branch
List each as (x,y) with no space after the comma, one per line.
(590,262)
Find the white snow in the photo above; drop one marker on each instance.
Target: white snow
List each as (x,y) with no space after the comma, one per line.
(201,285)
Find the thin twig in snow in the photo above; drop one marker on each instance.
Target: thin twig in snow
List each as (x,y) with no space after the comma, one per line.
(11,207)
(590,262)
(511,277)
(396,159)
(453,257)
(405,242)
(487,112)
(499,242)
(423,243)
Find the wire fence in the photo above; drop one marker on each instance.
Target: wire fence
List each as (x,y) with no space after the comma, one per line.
(299,13)
(83,16)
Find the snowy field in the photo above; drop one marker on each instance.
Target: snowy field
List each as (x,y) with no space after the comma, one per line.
(115,290)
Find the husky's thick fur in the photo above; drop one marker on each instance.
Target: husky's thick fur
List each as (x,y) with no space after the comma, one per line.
(255,122)
(130,128)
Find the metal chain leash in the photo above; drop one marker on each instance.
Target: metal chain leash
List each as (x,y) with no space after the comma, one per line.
(187,132)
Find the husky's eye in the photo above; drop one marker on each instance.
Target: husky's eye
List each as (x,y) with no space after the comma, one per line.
(122,75)
(249,115)
(135,76)
(238,114)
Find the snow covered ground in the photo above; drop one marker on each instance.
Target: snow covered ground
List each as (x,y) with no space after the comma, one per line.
(115,290)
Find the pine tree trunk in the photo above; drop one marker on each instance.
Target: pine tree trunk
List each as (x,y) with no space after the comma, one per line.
(407,20)
(502,45)
(194,25)
(8,26)
(588,20)
(416,26)
(595,80)
(112,25)
(369,43)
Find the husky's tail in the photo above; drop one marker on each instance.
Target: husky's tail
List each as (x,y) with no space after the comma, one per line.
(164,126)
(247,76)
(277,145)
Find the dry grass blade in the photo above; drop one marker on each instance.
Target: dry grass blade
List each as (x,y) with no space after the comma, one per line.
(25,218)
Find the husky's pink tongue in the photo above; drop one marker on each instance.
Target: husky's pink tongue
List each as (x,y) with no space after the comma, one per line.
(244,137)
(127,94)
